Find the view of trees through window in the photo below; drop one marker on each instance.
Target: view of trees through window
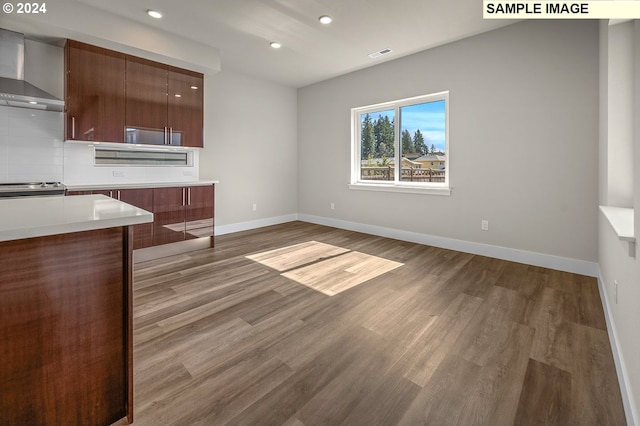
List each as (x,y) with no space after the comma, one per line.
(420,140)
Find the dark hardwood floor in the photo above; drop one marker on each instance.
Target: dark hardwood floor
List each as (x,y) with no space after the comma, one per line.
(446,338)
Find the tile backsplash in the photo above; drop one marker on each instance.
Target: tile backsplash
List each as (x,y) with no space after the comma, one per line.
(31,146)
(32,149)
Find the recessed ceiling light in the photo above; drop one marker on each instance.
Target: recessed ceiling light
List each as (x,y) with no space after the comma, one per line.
(177,95)
(325,19)
(33,102)
(154,13)
(194,87)
(275,45)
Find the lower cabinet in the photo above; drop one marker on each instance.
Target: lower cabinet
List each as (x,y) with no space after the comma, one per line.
(168,215)
(199,212)
(179,213)
(182,213)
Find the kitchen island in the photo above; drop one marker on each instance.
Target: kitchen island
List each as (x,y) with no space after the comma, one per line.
(66,310)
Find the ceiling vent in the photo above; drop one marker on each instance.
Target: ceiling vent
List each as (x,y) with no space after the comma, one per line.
(379,53)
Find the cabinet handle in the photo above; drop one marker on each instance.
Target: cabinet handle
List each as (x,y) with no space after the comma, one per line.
(165,135)
(118,194)
(189,195)
(73,127)
(183,203)
(170,136)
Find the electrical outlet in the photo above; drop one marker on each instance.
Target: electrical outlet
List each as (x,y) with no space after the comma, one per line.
(615,291)
(484,225)
(118,173)
(255,207)
(333,206)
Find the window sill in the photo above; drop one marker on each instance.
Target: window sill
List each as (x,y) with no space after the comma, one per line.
(621,219)
(409,189)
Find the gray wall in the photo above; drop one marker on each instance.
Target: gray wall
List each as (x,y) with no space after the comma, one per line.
(615,262)
(250,147)
(523,140)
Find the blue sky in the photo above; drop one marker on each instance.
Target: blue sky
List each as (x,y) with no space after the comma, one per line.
(428,117)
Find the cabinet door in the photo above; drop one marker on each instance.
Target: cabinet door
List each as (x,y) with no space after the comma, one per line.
(141,198)
(146,102)
(185,108)
(94,93)
(168,213)
(199,211)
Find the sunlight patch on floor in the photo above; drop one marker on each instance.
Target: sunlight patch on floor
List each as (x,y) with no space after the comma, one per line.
(323,267)
(286,258)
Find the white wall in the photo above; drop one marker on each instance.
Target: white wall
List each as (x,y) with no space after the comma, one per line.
(523,135)
(620,115)
(251,148)
(615,263)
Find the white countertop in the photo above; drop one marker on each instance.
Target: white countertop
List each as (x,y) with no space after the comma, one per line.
(40,216)
(91,187)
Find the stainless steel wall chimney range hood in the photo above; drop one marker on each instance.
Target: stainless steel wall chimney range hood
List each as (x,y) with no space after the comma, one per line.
(14,90)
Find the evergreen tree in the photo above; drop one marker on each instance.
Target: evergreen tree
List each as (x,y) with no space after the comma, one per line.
(384,135)
(367,141)
(418,143)
(407,143)
(433,149)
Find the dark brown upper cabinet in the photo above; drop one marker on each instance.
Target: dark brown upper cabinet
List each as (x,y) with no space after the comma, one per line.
(163,104)
(138,101)
(94,93)
(185,107)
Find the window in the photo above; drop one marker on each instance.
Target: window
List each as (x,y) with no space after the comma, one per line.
(130,157)
(410,132)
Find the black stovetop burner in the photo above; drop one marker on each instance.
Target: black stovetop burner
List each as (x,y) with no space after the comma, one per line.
(28,189)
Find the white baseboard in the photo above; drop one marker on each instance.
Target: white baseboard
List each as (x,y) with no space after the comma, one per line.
(531,258)
(253,224)
(630,411)
(514,255)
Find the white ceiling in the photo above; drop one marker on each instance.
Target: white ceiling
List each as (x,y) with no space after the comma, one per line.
(311,52)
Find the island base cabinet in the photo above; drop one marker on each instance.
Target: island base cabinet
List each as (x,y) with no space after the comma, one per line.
(65,329)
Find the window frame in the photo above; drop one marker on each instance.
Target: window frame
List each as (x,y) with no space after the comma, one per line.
(397,185)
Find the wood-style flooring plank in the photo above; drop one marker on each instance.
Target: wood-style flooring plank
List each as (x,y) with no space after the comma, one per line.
(495,396)
(598,399)
(444,396)
(433,346)
(553,343)
(545,395)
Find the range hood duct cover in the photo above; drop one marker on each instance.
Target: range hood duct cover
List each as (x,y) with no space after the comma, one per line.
(14,90)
